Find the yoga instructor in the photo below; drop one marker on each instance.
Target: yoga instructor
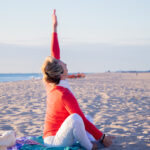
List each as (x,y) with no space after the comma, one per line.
(65,122)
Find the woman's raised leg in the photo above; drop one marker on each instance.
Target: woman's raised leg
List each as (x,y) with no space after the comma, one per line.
(71,130)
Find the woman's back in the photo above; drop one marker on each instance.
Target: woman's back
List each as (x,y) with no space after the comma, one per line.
(56,111)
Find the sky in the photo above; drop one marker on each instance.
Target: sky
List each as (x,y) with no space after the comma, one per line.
(94,35)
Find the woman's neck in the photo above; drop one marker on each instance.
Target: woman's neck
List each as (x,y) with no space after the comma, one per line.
(50,85)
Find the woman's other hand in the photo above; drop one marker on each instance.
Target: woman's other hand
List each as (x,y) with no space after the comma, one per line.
(108,140)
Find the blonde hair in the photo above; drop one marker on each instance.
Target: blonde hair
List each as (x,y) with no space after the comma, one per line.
(52,70)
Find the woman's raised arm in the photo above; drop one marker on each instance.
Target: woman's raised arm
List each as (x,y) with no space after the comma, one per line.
(55,50)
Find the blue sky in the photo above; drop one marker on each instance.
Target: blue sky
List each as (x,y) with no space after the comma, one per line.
(94,35)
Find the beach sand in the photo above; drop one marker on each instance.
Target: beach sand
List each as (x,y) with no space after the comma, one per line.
(119,104)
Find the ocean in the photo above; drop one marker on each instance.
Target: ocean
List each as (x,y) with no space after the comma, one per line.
(7,77)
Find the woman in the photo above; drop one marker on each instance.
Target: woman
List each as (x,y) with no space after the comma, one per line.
(65,123)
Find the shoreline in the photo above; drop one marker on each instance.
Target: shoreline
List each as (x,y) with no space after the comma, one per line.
(86,74)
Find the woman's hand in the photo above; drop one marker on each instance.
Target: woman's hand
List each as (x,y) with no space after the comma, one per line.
(54,21)
(108,140)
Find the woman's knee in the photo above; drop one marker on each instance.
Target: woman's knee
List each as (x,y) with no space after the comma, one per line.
(76,118)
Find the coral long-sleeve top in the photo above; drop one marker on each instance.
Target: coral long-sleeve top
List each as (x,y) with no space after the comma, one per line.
(55,50)
(60,104)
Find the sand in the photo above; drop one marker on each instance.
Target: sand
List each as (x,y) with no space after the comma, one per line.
(119,104)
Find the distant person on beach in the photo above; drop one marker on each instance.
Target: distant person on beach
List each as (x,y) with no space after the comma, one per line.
(65,122)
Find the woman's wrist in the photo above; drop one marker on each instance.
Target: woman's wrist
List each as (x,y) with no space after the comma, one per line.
(102,138)
(54,29)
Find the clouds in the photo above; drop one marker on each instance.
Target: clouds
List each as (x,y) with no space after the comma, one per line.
(103,57)
(80,57)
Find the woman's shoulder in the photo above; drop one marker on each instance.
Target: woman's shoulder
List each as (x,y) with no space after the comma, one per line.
(57,89)
(61,89)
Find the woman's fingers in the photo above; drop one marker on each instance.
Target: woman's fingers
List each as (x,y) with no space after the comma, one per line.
(54,11)
(54,20)
(112,137)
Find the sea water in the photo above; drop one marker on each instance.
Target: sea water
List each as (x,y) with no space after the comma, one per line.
(7,77)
